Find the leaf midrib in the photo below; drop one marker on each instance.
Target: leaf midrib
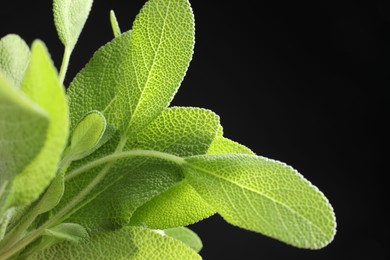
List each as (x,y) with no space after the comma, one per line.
(261,194)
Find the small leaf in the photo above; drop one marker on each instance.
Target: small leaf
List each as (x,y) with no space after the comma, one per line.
(42,86)
(5,219)
(187,236)
(128,243)
(263,195)
(23,127)
(67,231)
(87,135)
(14,58)
(52,196)
(69,18)
(114,24)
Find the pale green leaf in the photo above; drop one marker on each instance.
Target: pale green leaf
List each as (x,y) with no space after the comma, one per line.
(134,77)
(14,58)
(5,219)
(23,126)
(52,196)
(130,243)
(67,231)
(114,24)
(69,18)
(263,195)
(179,205)
(98,84)
(187,236)
(42,86)
(87,135)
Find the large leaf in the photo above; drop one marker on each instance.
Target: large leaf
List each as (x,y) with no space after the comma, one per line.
(131,183)
(69,18)
(42,86)
(130,243)
(23,126)
(134,77)
(263,195)
(181,205)
(14,58)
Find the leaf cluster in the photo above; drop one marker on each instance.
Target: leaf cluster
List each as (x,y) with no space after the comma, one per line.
(107,169)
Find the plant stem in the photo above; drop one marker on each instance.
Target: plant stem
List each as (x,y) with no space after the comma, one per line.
(65,64)
(123,155)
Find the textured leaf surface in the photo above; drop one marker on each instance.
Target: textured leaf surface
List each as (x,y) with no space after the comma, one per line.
(131,183)
(87,135)
(14,58)
(185,235)
(130,243)
(67,231)
(131,82)
(69,18)
(23,126)
(179,205)
(42,86)
(263,195)
(222,145)
(183,132)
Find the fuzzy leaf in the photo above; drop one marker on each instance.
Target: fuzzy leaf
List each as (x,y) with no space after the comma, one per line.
(69,18)
(23,127)
(187,236)
(14,58)
(68,232)
(52,196)
(263,195)
(87,135)
(42,86)
(134,77)
(130,243)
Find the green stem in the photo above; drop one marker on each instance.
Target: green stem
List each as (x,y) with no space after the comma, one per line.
(123,155)
(65,64)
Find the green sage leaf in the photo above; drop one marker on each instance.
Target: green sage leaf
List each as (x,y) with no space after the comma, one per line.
(67,231)
(187,236)
(69,18)
(263,195)
(42,86)
(23,127)
(87,135)
(130,243)
(134,77)
(14,58)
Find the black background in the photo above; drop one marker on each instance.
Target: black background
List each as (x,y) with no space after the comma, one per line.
(305,83)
